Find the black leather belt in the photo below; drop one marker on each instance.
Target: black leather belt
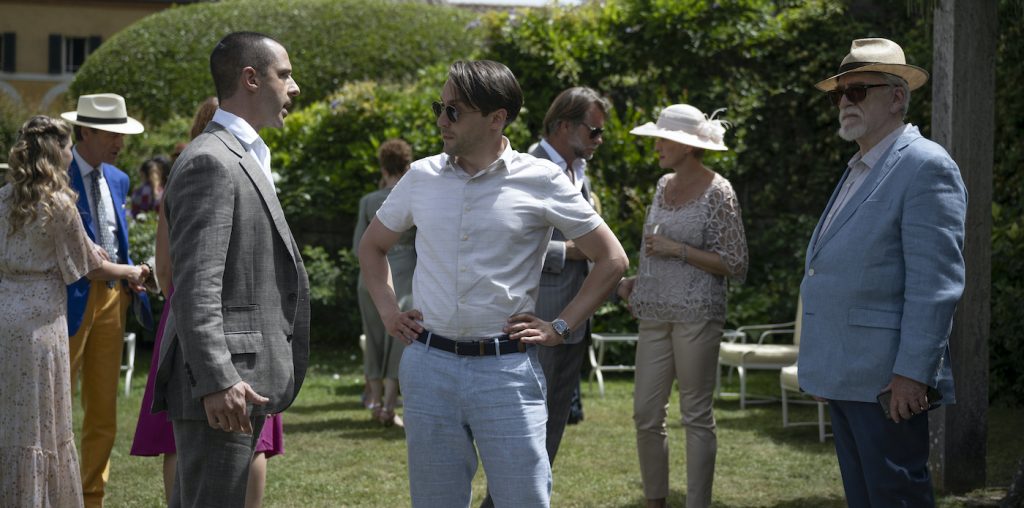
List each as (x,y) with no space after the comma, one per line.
(503,345)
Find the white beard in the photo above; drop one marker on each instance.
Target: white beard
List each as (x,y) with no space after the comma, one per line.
(852,132)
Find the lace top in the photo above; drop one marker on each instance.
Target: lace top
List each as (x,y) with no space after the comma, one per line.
(667,289)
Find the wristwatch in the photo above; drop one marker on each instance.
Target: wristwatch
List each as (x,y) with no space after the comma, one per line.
(561,328)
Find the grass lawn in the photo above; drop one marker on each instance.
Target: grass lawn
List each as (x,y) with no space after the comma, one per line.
(334,455)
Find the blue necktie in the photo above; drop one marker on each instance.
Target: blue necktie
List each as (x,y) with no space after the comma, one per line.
(103,235)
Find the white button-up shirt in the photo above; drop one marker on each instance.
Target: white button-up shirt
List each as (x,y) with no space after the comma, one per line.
(860,166)
(481,239)
(107,202)
(249,138)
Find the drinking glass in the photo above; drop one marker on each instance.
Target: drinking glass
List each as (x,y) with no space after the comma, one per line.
(650,228)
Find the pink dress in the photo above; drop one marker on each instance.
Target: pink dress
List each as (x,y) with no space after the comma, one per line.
(153,433)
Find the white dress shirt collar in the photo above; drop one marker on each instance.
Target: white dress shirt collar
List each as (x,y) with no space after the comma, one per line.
(871,158)
(578,166)
(249,138)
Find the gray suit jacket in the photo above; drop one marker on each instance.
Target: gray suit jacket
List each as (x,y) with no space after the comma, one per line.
(560,278)
(240,308)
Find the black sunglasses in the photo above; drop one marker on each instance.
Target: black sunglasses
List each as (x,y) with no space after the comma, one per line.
(453,114)
(594,131)
(853,93)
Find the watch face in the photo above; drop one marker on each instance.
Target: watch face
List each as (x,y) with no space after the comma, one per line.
(561,327)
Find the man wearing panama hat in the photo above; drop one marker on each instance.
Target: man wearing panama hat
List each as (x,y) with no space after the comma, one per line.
(97,309)
(883,275)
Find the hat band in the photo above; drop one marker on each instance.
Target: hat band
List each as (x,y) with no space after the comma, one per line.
(93,119)
(855,65)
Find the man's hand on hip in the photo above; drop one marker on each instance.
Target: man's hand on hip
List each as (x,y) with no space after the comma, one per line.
(909,397)
(226,409)
(532,330)
(404,326)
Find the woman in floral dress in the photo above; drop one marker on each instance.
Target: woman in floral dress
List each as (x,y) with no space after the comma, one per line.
(43,246)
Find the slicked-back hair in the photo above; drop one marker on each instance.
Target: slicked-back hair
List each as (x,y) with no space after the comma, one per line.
(488,86)
(235,52)
(572,105)
(394,155)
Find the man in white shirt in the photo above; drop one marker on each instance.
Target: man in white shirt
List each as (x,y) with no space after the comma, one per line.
(484,215)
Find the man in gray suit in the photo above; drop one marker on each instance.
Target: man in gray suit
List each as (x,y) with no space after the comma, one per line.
(237,340)
(573,127)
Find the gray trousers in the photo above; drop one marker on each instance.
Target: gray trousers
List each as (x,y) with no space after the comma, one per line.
(213,465)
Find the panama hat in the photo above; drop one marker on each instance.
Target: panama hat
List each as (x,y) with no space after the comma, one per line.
(686,124)
(104,111)
(877,55)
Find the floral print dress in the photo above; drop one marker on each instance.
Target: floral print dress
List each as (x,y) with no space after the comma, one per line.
(38,460)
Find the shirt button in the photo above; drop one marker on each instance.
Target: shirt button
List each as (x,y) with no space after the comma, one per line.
(810,273)
(462,300)
(462,269)
(465,237)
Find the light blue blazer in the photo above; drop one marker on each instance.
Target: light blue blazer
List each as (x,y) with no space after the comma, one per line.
(881,285)
(78,292)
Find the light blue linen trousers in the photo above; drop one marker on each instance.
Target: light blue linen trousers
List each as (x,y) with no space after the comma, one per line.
(456,406)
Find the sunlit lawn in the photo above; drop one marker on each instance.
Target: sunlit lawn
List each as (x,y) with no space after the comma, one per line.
(336,457)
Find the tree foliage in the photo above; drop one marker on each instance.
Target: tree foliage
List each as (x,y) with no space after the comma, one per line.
(161,64)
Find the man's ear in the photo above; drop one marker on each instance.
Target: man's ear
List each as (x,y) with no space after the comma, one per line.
(249,79)
(899,98)
(498,118)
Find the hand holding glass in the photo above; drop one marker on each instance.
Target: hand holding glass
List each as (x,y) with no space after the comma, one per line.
(650,229)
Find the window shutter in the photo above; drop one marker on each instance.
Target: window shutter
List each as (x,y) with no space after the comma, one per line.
(9,52)
(56,54)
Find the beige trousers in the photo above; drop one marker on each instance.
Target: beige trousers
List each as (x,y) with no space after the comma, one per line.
(688,353)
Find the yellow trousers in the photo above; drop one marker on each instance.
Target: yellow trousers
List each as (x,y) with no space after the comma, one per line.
(96,353)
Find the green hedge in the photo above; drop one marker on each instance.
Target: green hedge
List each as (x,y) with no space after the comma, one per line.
(161,63)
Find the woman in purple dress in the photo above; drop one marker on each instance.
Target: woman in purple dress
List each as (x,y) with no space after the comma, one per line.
(153,433)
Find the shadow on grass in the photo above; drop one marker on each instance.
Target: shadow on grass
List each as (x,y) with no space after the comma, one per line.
(677,498)
(765,420)
(339,405)
(348,428)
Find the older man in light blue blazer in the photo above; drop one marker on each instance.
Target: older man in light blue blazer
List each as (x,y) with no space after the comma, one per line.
(884,272)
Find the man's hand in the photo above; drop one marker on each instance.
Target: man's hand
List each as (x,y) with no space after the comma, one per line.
(625,289)
(404,326)
(531,330)
(909,397)
(225,410)
(138,279)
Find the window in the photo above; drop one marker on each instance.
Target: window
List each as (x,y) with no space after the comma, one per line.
(68,53)
(7,52)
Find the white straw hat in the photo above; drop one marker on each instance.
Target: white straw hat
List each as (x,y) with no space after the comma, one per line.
(103,111)
(686,124)
(877,55)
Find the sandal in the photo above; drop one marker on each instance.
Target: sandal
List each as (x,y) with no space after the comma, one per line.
(388,418)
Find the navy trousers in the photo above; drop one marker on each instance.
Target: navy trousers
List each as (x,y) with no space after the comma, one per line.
(884,464)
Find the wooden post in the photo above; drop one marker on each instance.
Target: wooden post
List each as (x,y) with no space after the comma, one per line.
(963,121)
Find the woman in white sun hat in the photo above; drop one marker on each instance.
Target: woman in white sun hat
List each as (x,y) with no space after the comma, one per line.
(693,241)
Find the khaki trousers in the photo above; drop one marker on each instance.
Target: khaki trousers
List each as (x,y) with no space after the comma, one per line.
(96,353)
(687,353)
